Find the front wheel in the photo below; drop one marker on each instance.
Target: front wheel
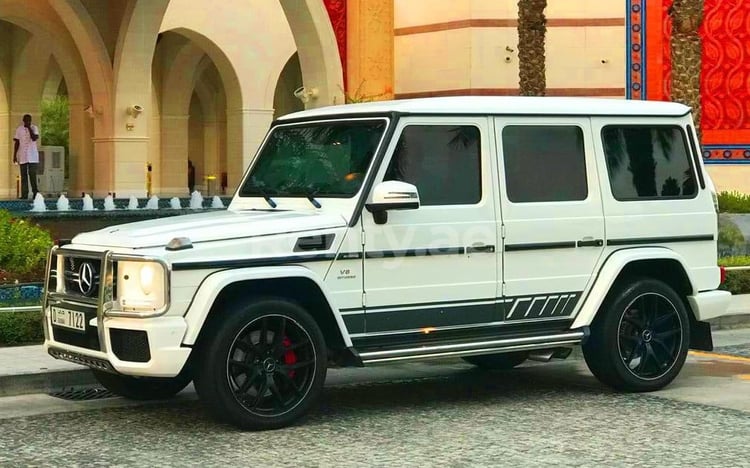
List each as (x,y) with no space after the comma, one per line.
(263,364)
(639,341)
(142,388)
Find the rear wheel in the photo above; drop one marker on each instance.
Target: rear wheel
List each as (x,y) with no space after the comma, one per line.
(142,388)
(263,366)
(639,341)
(500,361)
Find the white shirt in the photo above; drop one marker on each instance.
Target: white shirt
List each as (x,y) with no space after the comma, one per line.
(28,151)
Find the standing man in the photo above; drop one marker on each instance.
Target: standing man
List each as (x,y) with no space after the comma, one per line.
(26,153)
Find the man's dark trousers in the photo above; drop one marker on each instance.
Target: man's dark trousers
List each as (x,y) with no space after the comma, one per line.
(28,171)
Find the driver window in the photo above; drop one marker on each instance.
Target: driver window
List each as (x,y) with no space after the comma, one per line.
(442,161)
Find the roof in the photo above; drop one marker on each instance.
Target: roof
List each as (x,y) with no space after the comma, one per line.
(498,105)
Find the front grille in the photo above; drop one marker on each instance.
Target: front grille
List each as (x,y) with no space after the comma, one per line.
(130,345)
(82,276)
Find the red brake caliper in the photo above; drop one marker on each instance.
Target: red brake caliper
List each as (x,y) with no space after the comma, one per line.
(290,357)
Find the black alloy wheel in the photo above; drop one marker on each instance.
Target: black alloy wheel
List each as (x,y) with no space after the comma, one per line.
(640,336)
(650,336)
(271,364)
(261,363)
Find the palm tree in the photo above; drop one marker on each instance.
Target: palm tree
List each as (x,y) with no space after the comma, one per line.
(532,28)
(687,16)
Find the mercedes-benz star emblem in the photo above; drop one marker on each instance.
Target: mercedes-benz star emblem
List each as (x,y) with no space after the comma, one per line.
(86,278)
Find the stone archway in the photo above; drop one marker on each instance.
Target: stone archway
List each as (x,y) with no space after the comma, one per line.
(39,39)
(318,51)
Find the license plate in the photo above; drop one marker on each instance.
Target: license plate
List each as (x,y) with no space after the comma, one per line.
(72,319)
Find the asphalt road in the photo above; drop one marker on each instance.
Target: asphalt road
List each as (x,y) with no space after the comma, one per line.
(429,414)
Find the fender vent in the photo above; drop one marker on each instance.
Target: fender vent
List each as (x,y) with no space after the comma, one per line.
(312,243)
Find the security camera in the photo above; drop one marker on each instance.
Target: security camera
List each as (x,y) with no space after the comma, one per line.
(135,110)
(300,94)
(304,94)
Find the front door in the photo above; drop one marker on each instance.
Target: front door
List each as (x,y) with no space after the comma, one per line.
(432,270)
(553,221)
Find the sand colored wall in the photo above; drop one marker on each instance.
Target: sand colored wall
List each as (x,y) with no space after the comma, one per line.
(471,47)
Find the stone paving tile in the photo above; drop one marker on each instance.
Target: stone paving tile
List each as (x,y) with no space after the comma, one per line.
(736,350)
(466,419)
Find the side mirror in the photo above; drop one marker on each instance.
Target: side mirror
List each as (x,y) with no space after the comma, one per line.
(392,195)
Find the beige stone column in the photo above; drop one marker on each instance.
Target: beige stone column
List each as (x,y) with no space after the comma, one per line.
(8,170)
(124,175)
(174,155)
(370,49)
(81,151)
(246,129)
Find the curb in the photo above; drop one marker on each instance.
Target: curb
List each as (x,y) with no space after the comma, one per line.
(44,382)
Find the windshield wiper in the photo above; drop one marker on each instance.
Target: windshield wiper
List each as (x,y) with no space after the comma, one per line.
(311,196)
(267,198)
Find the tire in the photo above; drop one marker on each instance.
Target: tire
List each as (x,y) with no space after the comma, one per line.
(261,365)
(640,337)
(499,361)
(142,388)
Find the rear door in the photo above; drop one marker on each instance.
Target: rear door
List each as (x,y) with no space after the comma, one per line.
(552,213)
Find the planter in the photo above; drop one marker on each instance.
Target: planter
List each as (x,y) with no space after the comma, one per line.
(20,294)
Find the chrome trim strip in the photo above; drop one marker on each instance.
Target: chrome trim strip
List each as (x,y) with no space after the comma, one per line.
(472,346)
(105,284)
(459,327)
(474,352)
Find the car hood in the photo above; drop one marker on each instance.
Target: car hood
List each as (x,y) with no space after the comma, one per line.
(213,226)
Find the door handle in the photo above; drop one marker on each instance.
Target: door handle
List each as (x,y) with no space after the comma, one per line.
(480,248)
(590,242)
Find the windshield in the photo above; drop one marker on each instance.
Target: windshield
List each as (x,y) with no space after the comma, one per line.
(321,159)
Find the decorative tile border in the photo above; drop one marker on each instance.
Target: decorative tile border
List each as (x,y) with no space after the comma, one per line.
(637,79)
(635,24)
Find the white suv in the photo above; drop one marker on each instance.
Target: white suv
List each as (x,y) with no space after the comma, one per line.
(493,229)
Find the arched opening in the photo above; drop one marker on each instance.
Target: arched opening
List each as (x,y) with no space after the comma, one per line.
(195,80)
(284,101)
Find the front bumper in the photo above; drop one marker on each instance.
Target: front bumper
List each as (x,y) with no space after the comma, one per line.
(710,304)
(166,355)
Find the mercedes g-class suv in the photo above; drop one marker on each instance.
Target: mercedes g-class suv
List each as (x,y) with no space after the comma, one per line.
(491,229)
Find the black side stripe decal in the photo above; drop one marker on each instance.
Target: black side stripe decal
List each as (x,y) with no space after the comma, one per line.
(404,317)
(660,240)
(425,252)
(251,262)
(540,246)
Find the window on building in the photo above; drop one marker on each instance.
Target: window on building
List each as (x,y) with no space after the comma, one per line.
(647,162)
(544,163)
(443,162)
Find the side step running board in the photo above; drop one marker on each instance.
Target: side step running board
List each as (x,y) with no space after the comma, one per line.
(474,348)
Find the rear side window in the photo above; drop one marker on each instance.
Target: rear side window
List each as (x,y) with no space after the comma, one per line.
(443,162)
(648,162)
(544,163)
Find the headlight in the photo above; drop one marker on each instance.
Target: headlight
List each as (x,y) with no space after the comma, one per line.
(141,286)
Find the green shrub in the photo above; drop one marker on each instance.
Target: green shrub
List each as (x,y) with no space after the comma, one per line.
(23,249)
(737,282)
(734,202)
(731,238)
(18,328)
